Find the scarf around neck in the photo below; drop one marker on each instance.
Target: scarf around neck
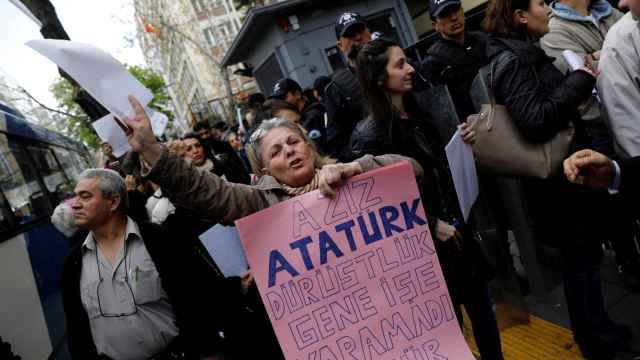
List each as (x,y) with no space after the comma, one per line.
(312,185)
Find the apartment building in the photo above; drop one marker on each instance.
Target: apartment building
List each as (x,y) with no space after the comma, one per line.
(185,41)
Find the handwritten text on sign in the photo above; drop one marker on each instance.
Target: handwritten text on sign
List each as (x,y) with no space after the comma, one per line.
(356,277)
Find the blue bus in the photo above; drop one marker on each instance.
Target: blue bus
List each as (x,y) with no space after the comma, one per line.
(38,169)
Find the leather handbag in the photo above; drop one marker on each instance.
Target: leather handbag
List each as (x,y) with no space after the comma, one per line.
(501,148)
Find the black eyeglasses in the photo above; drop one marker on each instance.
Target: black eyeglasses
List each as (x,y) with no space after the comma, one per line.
(126,280)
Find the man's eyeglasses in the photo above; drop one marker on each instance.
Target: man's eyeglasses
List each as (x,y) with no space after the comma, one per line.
(126,280)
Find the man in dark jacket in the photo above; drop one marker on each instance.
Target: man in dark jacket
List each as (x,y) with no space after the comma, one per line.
(343,97)
(124,289)
(455,58)
(311,113)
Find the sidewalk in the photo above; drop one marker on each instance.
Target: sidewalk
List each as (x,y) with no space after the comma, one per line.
(547,336)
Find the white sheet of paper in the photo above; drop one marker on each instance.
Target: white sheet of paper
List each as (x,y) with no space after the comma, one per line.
(223,244)
(574,61)
(158,120)
(99,73)
(109,131)
(463,171)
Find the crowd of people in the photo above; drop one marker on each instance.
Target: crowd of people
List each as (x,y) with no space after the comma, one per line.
(138,283)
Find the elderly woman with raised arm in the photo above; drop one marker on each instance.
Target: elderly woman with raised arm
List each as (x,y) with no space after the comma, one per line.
(279,150)
(288,164)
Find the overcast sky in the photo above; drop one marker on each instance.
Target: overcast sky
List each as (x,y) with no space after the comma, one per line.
(103,23)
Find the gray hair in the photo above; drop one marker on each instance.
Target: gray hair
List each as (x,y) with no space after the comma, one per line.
(255,141)
(111,185)
(62,219)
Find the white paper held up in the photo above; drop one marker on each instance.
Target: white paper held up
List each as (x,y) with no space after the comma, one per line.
(99,73)
(223,244)
(109,131)
(158,121)
(463,171)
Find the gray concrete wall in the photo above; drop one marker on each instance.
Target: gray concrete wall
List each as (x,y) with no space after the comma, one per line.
(301,53)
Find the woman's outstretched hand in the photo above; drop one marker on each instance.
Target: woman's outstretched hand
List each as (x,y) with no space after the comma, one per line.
(139,133)
(333,175)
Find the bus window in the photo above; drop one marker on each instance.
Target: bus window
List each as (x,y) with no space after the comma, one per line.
(71,162)
(48,168)
(20,184)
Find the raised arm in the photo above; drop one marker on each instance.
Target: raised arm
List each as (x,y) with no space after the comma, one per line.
(209,196)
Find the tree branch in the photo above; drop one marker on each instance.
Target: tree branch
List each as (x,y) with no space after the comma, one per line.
(24,91)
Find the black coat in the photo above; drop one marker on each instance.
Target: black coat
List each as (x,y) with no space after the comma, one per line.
(346,105)
(542,101)
(448,63)
(226,161)
(630,180)
(202,301)
(415,137)
(312,119)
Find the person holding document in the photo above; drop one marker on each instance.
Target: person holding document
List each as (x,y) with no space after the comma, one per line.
(397,125)
(544,102)
(580,27)
(282,155)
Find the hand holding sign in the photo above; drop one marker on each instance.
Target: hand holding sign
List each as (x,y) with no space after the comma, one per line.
(332,176)
(356,277)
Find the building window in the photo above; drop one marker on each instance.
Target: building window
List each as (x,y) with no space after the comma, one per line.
(210,35)
(186,80)
(198,5)
(227,30)
(176,60)
(268,73)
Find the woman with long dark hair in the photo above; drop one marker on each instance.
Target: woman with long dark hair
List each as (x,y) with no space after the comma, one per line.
(397,125)
(542,102)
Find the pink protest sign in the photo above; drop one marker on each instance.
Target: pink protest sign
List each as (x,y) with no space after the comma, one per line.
(356,277)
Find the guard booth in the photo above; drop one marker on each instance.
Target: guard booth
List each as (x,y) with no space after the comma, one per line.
(296,38)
